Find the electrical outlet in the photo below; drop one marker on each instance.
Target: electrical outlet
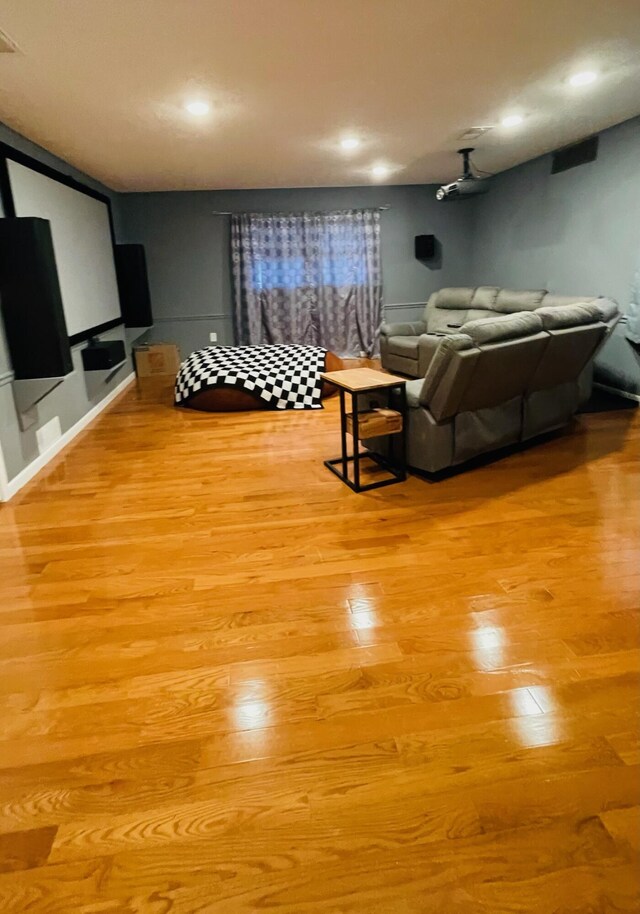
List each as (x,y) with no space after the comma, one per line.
(213,337)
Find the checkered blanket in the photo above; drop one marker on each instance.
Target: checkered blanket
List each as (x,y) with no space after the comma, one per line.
(285,377)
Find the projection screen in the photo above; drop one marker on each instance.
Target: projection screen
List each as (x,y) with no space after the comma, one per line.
(82,242)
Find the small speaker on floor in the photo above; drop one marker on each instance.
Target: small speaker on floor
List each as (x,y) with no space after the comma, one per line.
(425,247)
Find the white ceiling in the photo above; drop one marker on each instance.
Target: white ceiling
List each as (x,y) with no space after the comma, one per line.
(102,83)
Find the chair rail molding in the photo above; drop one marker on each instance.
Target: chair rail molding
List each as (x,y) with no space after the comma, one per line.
(407,304)
(175,318)
(6,377)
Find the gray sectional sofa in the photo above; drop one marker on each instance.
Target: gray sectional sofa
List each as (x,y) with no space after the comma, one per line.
(493,367)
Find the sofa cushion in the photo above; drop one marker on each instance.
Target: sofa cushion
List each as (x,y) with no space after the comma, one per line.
(456,298)
(509,301)
(607,308)
(442,319)
(485,297)
(406,346)
(568,316)
(503,327)
(478,314)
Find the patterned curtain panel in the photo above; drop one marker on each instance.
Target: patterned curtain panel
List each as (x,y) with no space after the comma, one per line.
(633,313)
(308,278)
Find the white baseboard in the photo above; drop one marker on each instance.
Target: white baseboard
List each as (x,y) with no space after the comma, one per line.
(9,487)
(619,393)
(4,482)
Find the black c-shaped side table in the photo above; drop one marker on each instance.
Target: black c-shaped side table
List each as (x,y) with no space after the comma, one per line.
(357,381)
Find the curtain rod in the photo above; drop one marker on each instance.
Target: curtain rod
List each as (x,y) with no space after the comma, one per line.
(216,212)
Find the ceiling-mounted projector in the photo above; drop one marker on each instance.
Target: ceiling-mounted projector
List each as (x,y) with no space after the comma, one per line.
(467,184)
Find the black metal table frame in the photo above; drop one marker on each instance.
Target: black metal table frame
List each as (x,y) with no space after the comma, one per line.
(396,465)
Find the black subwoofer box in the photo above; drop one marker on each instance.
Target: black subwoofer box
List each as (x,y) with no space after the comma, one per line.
(100,355)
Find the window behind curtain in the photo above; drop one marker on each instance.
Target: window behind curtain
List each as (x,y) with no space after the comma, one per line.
(311,278)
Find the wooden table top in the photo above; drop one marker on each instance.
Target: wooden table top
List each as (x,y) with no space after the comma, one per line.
(362,378)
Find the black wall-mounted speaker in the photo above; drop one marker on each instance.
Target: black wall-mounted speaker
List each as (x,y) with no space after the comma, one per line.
(576,154)
(100,355)
(425,247)
(133,285)
(31,300)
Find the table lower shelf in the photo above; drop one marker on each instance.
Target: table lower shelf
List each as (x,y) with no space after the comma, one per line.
(398,474)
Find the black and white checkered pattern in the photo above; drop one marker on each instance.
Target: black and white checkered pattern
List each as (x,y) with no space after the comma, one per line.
(285,377)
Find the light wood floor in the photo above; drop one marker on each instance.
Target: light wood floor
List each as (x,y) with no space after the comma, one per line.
(228,684)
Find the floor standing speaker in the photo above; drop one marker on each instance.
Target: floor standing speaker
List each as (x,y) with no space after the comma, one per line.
(133,285)
(31,300)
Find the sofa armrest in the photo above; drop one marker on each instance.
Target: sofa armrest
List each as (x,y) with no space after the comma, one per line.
(427,345)
(407,328)
(447,346)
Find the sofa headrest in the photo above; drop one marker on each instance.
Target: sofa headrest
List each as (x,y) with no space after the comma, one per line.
(503,327)
(484,297)
(555,318)
(607,308)
(509,301)
(557,301)
(455,298)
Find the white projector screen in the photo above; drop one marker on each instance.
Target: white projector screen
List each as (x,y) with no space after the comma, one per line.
(82,244)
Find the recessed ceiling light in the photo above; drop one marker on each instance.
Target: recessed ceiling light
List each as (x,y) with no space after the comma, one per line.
(379,171)
(583,78)
(197,108)
(349,143)
(512,120)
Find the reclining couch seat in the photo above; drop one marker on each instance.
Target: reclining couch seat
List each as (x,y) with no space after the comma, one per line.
(494,367)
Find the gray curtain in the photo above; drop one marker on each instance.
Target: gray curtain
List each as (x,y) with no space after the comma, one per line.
(308,278)
(633,313)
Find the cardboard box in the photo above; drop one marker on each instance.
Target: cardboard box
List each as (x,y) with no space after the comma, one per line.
(156,359)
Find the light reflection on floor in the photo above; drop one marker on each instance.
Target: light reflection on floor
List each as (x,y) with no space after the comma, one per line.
(251,715)
(534,722)
(538,730)
(363,620)
(252,709)
(488,644)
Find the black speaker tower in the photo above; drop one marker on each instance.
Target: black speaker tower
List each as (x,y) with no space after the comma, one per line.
(31,300)
(133,285)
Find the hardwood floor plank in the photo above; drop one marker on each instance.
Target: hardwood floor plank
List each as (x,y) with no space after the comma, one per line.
(624,826)
(530,801)
(23,850)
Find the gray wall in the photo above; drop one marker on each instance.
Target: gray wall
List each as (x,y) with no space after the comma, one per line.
(575,232)
(188,248)
(80,391)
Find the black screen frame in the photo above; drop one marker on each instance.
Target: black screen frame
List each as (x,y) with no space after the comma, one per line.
(8,205)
